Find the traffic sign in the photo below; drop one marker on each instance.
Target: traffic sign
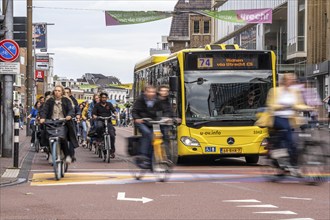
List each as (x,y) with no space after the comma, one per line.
(9,50)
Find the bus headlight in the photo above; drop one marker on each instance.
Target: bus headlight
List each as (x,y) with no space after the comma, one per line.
(189,141)
(264,142)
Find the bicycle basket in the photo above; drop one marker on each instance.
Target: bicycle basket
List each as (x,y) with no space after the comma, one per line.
(133,145)
(56,130)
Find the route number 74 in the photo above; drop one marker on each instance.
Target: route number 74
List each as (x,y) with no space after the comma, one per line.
(205,62)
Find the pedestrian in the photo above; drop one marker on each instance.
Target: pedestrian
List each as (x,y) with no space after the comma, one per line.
(21,115)
(327,101)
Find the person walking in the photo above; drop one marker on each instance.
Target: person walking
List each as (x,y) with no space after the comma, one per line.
(327,101)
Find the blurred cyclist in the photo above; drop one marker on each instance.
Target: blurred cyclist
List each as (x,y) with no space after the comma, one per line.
(283,105)
(146,106)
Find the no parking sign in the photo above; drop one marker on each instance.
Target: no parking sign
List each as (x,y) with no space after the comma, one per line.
(9,50)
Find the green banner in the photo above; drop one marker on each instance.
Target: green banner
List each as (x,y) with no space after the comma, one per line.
(134,17)
(229,16)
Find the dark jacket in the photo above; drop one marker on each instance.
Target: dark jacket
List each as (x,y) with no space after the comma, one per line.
(47,112)
(166,108)
(141,110)
(77,110)
(48,108)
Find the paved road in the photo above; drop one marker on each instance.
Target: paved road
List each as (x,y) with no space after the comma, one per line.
(223,189)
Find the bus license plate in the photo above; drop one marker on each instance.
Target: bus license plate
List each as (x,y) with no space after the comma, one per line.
(234,150)
(210,149)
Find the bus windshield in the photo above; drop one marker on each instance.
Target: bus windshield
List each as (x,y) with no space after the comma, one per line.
(225,98)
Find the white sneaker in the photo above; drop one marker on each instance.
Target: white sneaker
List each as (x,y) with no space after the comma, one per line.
(32,144)
(68,159)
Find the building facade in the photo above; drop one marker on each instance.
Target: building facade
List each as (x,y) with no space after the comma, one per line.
(299,35)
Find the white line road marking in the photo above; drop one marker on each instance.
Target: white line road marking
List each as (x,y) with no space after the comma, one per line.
(242,200)
(258,206)
(284,197)
(277,212)
(121,196)
(298,219)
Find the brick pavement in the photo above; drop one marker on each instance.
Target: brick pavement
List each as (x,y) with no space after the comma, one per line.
(7,164)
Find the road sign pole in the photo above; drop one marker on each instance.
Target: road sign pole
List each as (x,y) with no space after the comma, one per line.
(7,102)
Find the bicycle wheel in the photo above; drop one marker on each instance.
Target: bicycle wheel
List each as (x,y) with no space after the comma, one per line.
(313,162)
(160,168)
(135,170)
(107,147)
(56,160)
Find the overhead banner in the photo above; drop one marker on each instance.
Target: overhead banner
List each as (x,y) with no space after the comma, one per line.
(133,17)
(39,35)
(237,16)
(242,16)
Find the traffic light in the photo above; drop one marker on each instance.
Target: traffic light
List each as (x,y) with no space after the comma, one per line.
(2,27)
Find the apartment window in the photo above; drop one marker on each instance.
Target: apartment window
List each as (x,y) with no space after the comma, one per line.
(196,27)
(206,27)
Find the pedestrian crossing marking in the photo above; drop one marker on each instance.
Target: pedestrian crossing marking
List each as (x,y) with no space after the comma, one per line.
(48,179)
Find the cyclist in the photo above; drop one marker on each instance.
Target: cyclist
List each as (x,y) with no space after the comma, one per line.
(56,107)
(33,116)
(72,124)
(284,106)
(105,109)
(96,99)
(146,106)
(163,93)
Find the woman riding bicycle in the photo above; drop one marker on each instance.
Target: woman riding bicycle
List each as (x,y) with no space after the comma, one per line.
(284,104)
(57,107)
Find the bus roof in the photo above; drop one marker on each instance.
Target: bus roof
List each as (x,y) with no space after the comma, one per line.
(150,61)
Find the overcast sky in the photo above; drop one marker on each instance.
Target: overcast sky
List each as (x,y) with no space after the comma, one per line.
(83,44)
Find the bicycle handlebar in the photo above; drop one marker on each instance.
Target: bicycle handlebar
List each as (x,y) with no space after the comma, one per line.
(162,121)
(104,118)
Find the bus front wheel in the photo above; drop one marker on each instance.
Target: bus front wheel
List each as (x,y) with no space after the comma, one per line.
(252,159)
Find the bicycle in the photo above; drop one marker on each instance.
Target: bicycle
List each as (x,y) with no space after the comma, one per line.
(57,132)
(311,159)
(104,147)
(160,165)
(36,142)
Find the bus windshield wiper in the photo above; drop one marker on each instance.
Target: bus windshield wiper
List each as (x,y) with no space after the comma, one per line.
(201,122)
(266,80)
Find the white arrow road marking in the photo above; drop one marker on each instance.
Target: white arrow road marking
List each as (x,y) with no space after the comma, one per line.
(121,196)
(278,212)
(242,200)
(258,206)
(284,197)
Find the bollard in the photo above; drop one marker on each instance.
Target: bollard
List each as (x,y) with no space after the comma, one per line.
(16,137)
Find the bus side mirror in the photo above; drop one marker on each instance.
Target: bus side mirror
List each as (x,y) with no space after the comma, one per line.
(173,83)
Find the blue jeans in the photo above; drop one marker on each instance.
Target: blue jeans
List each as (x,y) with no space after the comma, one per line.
(84,130)
(286,137)
(146,140)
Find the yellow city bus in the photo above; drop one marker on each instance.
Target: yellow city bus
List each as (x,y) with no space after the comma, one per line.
(217,93)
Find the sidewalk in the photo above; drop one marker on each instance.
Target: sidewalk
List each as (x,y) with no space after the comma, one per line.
(9,174)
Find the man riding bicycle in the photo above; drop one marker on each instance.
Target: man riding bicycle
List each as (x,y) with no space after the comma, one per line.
(147,106)
(105,109)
